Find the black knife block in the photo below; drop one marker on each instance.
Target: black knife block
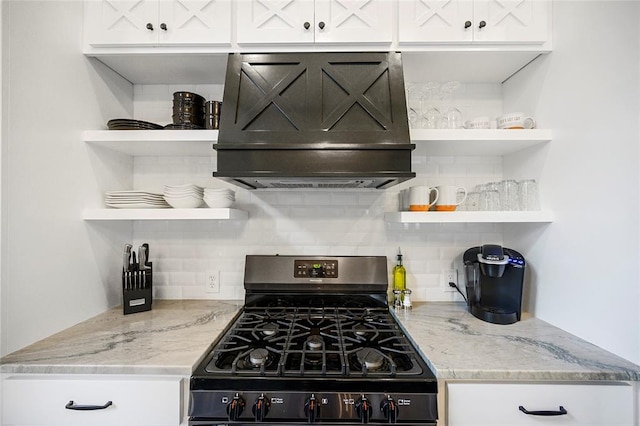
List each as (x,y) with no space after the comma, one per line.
(137,290)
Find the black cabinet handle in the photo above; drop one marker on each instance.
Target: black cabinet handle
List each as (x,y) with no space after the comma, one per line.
(307,25)
(72,406)
(150,26)
(321,25)
(163,26)
(482,24)
(467,24)
(561,412)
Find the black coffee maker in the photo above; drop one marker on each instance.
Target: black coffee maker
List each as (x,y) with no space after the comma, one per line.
(494,278)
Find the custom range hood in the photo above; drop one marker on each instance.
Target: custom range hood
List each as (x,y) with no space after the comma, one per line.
(314,120)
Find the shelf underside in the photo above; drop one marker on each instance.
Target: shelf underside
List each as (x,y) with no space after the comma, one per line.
(164,214)
(470,217)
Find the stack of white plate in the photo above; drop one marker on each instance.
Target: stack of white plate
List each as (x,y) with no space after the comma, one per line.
(134,200)
(183,196)
(219,198)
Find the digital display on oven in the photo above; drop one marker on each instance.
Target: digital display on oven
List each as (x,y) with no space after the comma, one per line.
(315,269)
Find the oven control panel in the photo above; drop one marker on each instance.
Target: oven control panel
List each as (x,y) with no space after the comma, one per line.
(315,268)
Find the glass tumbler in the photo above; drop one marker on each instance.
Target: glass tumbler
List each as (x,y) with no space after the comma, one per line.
(509,199)
(471,204)
(489,200)
(528,191)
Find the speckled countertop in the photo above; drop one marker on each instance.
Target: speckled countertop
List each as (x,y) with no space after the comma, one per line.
(175,335)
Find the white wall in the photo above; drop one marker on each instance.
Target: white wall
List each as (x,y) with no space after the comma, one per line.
(306,222)
(55,273)
(585,264)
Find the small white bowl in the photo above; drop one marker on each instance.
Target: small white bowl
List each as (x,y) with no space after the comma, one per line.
(184,202)
(218,203)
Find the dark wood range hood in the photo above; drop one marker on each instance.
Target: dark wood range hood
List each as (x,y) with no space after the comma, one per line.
(314,120)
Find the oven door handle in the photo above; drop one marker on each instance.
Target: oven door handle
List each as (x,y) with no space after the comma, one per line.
(561,412)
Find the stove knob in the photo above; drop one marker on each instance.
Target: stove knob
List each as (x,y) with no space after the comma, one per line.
(311,409)
(235,408)
(260,408)
(363,409)
(389,409)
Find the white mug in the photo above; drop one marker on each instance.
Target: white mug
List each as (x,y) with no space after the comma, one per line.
(448,200)
(516,120)
(420,198)
(478,123)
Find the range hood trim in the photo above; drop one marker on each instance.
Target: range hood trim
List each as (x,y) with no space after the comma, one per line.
(313,146)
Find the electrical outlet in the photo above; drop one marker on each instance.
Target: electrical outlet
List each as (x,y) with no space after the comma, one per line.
(212,282)
(449,276)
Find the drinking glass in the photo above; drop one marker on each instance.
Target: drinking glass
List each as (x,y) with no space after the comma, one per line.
(472,202)
(414,93)
(528,191)
(452,118)
(509,199)
(430,113)
(489,200)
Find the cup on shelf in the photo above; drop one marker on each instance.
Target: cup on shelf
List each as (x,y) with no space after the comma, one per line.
(509,198)
(420,198)
(450,197)
(471,202)
(478,123)
(515,120)
(528,195)
(489,200)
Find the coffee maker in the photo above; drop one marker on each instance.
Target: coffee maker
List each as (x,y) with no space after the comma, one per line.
(494,278)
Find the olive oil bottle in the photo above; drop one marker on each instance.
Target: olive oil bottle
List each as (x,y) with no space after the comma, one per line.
(399,274)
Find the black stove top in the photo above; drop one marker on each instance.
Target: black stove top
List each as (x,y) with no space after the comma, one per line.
(289,347)
(314,342)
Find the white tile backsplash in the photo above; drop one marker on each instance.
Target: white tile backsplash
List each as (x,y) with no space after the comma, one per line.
(318,222)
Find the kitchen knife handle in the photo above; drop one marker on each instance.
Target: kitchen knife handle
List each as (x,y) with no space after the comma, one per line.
(71,406)
(146,254)
(561,412)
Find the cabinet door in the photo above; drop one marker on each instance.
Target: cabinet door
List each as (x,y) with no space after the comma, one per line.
(511,21)
(496,404)
(353,21)
(275,21)
(195,22)
(135,401)
(435,21)
(118,22)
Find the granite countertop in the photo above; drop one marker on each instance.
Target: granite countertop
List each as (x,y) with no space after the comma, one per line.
(174,336)
(169,339)
(460,346)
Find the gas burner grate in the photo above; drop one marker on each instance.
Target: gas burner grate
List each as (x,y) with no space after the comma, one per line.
(314,342)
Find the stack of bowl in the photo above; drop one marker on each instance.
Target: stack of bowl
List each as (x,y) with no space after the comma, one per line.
(219,198)
(188,110)
(183,196)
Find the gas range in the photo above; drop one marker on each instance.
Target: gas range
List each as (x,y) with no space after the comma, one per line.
(315,343)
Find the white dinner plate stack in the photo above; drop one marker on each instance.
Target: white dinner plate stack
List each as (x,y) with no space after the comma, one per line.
(219,198)
(135,200)
(183,196)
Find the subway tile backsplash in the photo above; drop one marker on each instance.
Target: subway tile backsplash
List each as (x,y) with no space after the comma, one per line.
(315,222)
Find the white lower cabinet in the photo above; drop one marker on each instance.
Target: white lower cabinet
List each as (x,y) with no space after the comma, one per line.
(50,399)
(495,404)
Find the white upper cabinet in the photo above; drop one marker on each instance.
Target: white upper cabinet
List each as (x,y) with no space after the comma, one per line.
(319,21)
(157,22)
(474,21)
